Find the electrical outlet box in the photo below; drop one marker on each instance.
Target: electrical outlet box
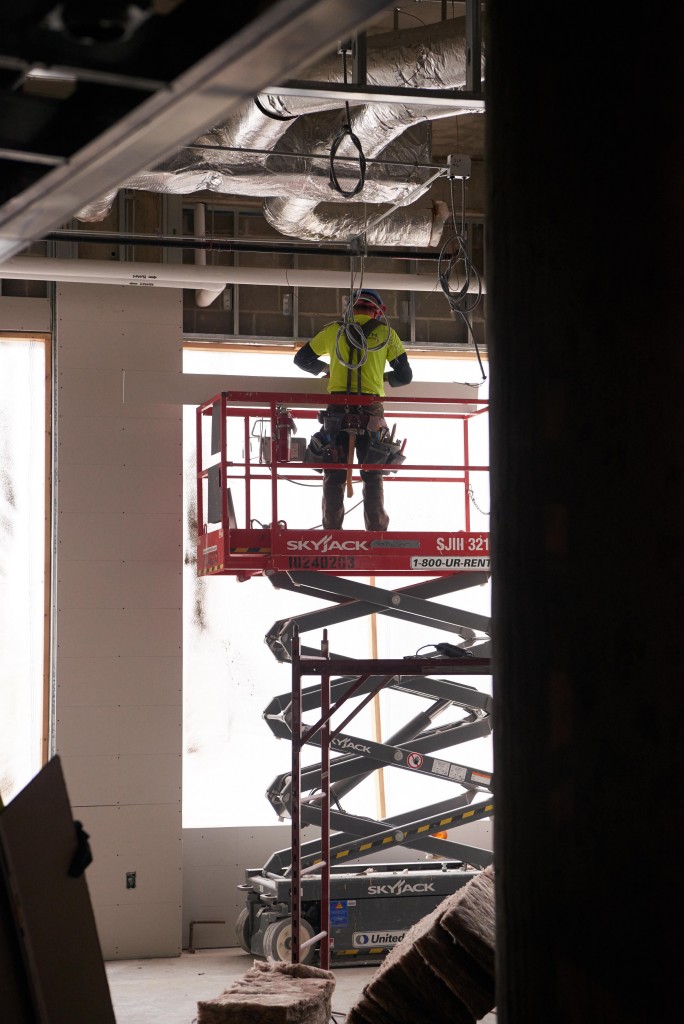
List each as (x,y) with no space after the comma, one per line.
(297,449)
(131,880)
(458,166)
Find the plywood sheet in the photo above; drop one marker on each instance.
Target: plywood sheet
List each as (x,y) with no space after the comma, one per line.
(59,941)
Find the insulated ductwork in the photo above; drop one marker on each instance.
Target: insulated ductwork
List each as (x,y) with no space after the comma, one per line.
(265,149)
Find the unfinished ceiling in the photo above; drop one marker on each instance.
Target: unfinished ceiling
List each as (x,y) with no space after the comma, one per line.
(96,97)
(321,165)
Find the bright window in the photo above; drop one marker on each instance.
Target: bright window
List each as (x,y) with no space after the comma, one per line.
(23,514)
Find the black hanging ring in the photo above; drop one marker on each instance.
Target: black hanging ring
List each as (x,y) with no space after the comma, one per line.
(334,183)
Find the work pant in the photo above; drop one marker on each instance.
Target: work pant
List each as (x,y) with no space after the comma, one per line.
(374,515)
(334,481)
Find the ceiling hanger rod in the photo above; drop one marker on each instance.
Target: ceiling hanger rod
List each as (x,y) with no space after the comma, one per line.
(413,164)
(223,244)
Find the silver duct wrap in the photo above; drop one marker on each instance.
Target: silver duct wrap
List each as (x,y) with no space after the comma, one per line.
(284,175)
(302,218)
(315,212)
(224,160)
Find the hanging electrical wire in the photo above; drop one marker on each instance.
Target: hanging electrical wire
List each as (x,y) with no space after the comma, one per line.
(271,113)
(471,495)
(356,334)
(317,526)
(341,135)
(455,262)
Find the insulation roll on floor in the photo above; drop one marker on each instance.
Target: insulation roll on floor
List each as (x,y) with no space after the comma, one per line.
(273,993)
(442,968)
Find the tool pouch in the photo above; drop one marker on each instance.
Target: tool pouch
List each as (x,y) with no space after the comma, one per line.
(395,457)
(319,450)
(376,453)
(388,453)
(377,425)
(331,423)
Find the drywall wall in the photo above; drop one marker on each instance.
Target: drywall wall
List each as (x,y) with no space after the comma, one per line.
(118,624)
(20,314)
(214,864)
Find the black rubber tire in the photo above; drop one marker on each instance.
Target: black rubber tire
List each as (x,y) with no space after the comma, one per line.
(278,941)
(242,932)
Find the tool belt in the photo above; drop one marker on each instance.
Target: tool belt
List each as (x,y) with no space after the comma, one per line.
(353,421)
(331,445)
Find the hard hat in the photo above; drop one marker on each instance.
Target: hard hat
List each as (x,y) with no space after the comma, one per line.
(368,296)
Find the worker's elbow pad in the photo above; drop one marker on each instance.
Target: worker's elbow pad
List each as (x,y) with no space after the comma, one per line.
(396,380)
(310,363)
(401,372)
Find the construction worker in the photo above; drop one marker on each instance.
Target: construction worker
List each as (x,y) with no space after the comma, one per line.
(358,349)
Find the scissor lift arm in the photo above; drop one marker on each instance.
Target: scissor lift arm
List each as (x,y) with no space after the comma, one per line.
(364,836)
(359,836)
(353,600)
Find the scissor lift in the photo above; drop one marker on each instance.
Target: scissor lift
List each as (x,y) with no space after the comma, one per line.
(307,898)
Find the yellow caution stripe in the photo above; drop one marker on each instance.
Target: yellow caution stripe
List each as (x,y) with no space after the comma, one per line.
(401,835)
(355,952)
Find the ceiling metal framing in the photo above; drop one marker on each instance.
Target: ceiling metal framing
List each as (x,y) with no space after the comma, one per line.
(284,37)
(455,99)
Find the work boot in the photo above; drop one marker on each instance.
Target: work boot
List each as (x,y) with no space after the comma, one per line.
(374,514)
(333,499)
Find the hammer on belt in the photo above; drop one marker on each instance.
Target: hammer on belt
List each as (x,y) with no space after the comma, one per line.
(350,456)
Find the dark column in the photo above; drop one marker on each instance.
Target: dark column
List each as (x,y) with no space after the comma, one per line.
(585,166)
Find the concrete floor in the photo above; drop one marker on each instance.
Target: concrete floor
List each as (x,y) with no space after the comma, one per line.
(167,991)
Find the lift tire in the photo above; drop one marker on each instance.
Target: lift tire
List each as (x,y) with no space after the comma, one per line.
(278,941)
(242,932)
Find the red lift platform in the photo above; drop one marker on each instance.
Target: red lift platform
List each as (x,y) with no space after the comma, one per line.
(257,443)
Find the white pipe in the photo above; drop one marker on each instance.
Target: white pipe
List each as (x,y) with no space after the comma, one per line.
(178,275)
(203,296)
